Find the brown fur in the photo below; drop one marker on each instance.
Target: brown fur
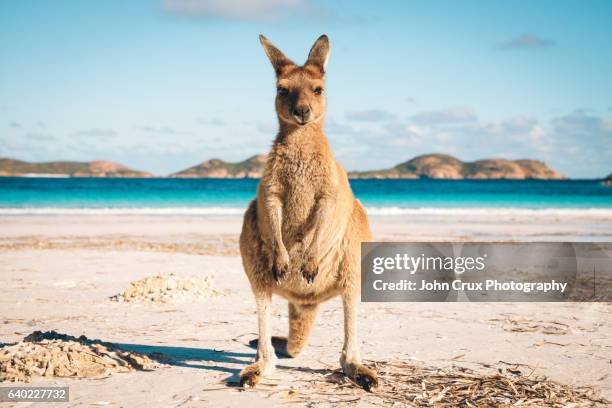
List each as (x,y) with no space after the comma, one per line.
(301,236)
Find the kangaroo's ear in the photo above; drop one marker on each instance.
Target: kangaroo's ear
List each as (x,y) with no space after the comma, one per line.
(319,53)
(276,56)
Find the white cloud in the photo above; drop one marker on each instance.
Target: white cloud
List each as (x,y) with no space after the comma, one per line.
(371,115)
(527,41)
(404,129)
(580,122)
(40,137)
(516,126)
(212,122)
(246,10)
(267,127)
(445,116)
(578,143)
(592,134)
(163,130)
(96,132)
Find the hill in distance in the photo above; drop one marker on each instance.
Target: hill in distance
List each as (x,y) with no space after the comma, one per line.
(442,166)
(216,168)
(435,166)
(99,168)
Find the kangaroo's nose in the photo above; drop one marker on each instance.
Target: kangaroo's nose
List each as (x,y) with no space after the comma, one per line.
(301,113)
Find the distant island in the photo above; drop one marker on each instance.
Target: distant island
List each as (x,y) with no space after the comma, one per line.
(216,168)
(433,166)
(442,166)
(99,168)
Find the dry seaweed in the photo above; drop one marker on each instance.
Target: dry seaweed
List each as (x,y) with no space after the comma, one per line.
(409,384)
(522,325)
(52,354)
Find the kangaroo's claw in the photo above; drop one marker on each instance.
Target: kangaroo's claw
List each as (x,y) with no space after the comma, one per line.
(310,270)
(279,273)
(367,381)
(250,376)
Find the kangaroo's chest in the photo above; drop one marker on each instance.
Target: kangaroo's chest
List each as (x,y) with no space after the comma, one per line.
(302,177)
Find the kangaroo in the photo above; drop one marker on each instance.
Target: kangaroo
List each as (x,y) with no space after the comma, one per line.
(301,235)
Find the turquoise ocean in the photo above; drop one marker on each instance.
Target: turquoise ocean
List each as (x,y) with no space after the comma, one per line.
(24,195)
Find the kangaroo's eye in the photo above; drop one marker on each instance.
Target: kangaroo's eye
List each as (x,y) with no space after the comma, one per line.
(318,90)
(282,91)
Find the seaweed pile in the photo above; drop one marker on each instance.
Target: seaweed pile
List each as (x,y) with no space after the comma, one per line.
(52,354)
(414,385)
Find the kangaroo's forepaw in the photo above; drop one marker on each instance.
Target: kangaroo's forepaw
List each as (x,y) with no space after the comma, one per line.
(279,272)
(250,376)
(310,271)
(364,376)
(280,265)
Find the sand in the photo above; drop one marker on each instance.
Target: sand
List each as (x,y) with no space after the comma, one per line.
(59,273)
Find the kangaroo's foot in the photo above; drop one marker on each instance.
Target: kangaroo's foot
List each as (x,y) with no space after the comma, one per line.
(349,359)
(253,373)
(250,376)
(362,375)
(266,360)
(278,342)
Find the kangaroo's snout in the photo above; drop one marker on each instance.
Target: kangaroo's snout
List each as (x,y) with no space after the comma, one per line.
(301,114)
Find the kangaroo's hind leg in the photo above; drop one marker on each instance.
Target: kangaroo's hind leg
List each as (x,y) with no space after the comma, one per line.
(266,359)
(301,321)
(350,359)
(259,275)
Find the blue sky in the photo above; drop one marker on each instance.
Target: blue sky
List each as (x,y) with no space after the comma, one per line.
(163,85)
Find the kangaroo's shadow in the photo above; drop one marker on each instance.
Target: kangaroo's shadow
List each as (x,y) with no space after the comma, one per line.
(280,349)
(195,358)
(201,358)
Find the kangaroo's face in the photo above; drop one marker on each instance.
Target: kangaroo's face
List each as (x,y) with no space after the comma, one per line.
(300,95)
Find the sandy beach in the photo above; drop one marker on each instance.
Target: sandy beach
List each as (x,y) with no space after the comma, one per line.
(59,272)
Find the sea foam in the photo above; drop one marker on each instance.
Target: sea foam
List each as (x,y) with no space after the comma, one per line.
(372,211)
